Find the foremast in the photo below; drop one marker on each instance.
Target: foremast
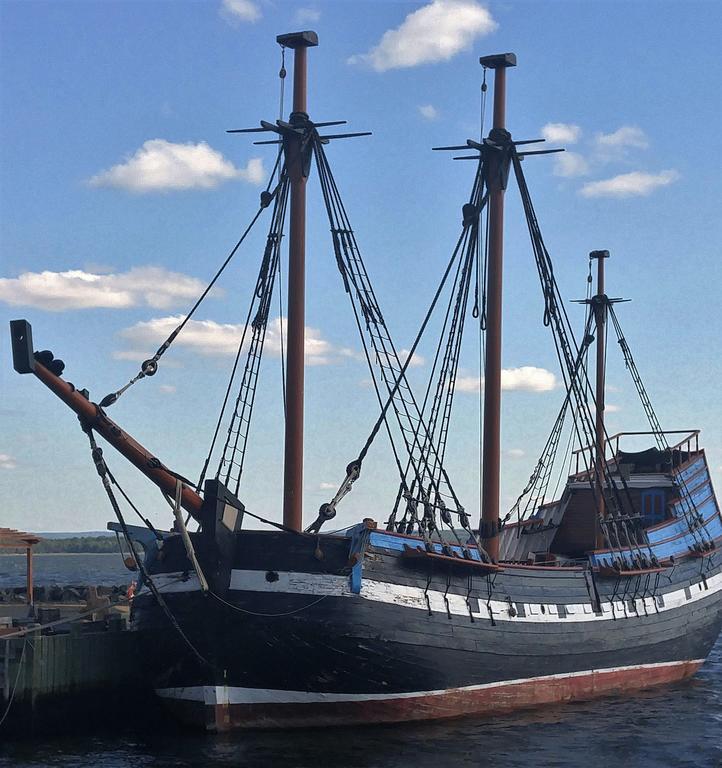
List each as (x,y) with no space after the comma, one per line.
(298,152)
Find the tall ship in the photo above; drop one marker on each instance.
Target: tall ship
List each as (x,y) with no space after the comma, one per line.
(605,582)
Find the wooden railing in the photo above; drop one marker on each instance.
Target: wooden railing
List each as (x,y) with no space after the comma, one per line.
(691,437)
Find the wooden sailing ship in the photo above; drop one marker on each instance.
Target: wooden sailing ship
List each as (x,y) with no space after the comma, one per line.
(614,586)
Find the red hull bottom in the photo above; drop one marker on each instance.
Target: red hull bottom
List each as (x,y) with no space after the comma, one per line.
(479,700)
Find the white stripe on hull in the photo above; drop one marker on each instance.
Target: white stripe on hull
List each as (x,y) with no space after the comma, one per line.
(319,585)
(212,695)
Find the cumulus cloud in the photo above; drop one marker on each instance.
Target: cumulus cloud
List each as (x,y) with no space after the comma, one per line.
(626,136)
(160,166)
(76,289)
(561,133)
(527,378)
(211,339)
(435,32)
(417,360)
(7,461)
(240,10)
(635,184)
(570,164)
(429,111)
(307,15)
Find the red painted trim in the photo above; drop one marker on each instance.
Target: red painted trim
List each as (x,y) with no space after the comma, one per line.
(453,703)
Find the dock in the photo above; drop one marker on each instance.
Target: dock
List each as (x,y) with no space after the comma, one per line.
(74,671)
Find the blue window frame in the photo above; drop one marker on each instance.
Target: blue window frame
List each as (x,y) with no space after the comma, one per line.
(653,506)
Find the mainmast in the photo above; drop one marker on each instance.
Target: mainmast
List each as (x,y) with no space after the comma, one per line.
(297,157)
(496,183)
(599,303)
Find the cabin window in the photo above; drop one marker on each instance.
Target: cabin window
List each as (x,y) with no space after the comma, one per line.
(653,507)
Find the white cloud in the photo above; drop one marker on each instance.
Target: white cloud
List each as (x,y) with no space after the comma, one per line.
(570,164)
(610,408)
(527,378)
(635,184)
(240,10)
(417,360)
(307,15)
(77,289)
(435,32)
(161,165)
(7,461)
(561,133)
(515,453)
(429,111)
(327,486)
(626,136)
(211,339)
(167,389)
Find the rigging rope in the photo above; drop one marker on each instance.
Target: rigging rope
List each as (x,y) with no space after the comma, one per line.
(102,470)
(234,450)
(393,373)
(621,529)
(150,367)
(704,540)
(262,294)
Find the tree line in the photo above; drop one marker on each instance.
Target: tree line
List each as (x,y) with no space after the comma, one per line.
(74,545)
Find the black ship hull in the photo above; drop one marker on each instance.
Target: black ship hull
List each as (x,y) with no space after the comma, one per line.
(304,637)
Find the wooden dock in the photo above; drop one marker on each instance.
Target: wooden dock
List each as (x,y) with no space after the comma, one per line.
(52,682)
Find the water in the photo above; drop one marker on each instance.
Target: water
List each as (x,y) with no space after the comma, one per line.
(99,569)
(675,726)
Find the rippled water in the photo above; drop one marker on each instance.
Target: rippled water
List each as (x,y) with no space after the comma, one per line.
(679,725)
(99,569)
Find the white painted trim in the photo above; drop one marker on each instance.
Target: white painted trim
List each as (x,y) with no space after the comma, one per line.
(212,695)
(312,584)
(292,582)
(414,597)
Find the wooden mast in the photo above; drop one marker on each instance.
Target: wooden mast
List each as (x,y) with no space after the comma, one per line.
(496,181)
(297,154)
(600,315)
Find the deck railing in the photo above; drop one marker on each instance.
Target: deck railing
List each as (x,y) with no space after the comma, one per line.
(691,438)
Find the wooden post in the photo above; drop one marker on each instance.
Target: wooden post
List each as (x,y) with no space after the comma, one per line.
(29,574)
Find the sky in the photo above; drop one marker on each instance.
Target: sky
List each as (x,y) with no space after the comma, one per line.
(121,193)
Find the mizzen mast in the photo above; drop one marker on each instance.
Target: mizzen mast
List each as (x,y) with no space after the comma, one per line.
(298,152)
(599,304)
(496,184)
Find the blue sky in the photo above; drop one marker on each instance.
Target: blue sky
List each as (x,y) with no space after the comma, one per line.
(120,193)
